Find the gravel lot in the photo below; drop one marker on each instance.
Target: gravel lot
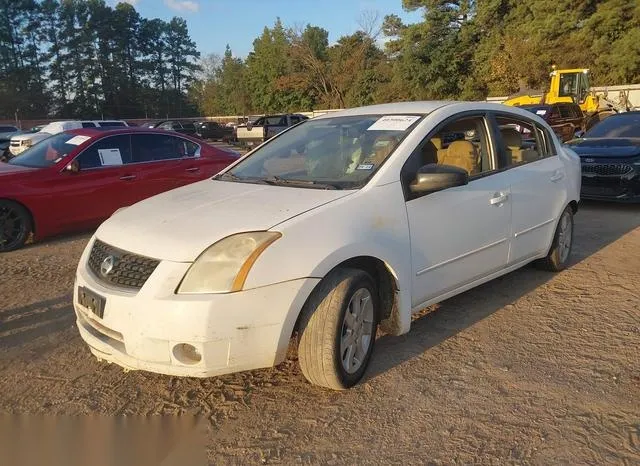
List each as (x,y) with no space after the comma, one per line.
(532,368)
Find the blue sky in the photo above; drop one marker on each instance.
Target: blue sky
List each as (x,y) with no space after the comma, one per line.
(214,23)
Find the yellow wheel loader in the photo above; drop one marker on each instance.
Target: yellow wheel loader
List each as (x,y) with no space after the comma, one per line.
(571,85)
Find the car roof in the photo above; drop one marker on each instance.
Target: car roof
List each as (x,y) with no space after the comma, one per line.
(424,107)
(92,132)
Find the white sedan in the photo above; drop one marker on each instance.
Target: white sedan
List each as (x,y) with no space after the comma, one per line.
(340,224)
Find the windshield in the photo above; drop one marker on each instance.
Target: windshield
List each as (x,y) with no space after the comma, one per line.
(339,152)
(49,151)
(617,126)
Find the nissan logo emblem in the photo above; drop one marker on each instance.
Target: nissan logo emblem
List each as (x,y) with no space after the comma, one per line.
(107,265)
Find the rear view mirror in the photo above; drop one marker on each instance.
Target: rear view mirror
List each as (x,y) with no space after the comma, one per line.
(249,125)
(73,167)
(433,177)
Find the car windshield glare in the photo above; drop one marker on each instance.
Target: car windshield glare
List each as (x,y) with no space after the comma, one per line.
(343,152)
(618,126)
(49,151)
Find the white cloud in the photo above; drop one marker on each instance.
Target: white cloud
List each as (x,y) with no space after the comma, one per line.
(183,5)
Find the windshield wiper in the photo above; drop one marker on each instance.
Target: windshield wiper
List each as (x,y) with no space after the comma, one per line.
(277,181)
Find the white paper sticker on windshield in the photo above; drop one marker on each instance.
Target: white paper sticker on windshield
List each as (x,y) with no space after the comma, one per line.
(77,140)
(365,166)
(393,123)
(110,156)
(541,112)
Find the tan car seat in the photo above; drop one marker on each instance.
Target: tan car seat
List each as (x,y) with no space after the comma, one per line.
(382,147)
(440,152)
(513,142)
(462,154)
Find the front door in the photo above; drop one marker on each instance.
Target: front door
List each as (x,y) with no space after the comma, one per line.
(459,235)
(104,183)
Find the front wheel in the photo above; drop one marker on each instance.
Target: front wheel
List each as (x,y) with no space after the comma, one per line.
(560,250)
(338,329)
(15,226)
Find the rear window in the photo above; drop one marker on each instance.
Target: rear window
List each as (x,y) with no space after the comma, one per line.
(8,129)
(109,124)
(540,110)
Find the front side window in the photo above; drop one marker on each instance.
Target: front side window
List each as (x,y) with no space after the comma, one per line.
(49,151)
(521,140)
(107,152)
(340,152)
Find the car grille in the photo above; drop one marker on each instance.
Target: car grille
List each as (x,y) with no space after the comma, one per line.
(607,169)
(128,270)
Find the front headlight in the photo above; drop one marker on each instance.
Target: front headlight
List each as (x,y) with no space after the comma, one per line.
(224,266)
(26,142)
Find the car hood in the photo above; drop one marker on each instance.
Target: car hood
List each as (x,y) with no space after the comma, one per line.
(10,134)
(606,147)
(180,224)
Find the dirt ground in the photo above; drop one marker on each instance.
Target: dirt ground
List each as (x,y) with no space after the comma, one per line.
(532,368)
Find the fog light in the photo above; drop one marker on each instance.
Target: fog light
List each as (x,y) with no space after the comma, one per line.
(187,354)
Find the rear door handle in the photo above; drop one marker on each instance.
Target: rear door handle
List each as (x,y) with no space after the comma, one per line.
(557,176)
(499,198)
(128,177)
(193,169)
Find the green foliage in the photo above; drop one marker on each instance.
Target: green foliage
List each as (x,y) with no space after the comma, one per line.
(85,58)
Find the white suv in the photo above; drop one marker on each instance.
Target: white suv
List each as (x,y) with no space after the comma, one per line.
(22,142)
(332,227)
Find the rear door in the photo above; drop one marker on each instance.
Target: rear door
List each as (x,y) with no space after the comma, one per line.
(536,176)
(158,159)
(105,182)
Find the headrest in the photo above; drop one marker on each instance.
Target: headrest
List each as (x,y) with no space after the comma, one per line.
(511,137)
(437,142)
(461,149)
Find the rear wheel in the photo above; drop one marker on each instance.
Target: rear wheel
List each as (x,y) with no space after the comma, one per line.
(560,250)
(15,225)
(338,329)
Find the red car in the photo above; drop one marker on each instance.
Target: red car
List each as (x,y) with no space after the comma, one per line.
(75,180)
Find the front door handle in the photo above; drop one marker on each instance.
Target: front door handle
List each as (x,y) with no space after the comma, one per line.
(128,177)
(557,176)
(499,198)
(193,169)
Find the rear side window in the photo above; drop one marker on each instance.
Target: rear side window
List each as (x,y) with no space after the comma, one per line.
(109,151)
(522,140)
(565,111)
(158,147)
(189,126)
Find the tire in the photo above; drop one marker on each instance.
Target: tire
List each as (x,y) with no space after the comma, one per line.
(327,353)
(15,226)
(560,251)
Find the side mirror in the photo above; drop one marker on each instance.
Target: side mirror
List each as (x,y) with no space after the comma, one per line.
(73,167)
(433,177)
(579,134)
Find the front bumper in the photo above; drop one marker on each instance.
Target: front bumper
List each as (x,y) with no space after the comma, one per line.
(232,332)
(618,188)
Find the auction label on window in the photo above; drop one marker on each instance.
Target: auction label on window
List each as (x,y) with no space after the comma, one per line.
(110,156)
(393,123)
(77,140)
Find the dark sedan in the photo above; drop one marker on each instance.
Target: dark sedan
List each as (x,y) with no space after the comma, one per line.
(610,155)
(214,130)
